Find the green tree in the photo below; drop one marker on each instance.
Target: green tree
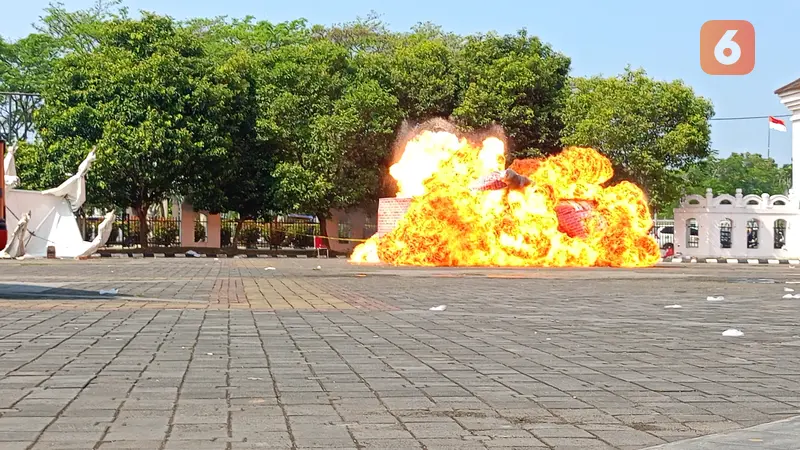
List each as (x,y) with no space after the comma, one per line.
(750,172)
(651,130)
(331,127)
(27,64)
(245,182)
(515,81)
(144,95)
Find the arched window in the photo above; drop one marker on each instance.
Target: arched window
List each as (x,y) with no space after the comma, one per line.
(753,202)
(779,203)
(694,201)
(725,235)
(725,202)
(752,233)
(692,234)
(779,228)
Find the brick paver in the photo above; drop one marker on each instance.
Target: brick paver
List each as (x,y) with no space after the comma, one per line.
(197,353)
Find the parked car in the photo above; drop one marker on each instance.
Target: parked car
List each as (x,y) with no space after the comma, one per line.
(666,236)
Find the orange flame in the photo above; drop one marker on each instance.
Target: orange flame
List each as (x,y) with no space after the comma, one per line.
(447,224)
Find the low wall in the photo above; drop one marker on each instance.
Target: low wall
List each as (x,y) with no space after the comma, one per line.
(738,226)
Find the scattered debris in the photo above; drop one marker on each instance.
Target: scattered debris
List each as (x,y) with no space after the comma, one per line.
(192,254)
(791,296)
(793,282)
(673,307)
(317,268)
(732,333)
(438,308)
(254,378)
(210,354)
(718,298)
(216,259)
(269,268)
(112,291)
(788,290)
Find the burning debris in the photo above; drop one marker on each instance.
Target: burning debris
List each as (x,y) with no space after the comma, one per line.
(465,208)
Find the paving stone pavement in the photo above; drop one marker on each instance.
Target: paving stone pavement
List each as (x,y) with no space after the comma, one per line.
(203,354)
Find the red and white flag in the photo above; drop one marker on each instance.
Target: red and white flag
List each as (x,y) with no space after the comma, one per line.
(777,124)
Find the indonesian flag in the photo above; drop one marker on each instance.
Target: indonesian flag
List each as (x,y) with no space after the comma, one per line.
(777,124)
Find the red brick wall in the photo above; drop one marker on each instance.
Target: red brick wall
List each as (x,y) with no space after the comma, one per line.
(390,211)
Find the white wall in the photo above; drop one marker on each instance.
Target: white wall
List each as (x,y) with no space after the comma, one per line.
(711,211)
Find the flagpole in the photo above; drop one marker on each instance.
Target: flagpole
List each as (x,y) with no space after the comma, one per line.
(769,134)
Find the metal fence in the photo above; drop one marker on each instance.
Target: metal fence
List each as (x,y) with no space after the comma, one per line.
(166,232)
(162,232)
(16,115)
(269,234)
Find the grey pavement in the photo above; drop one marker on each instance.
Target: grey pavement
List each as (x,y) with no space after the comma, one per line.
(271,353)
(782,434)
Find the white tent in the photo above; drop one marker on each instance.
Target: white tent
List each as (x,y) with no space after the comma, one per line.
(52,220)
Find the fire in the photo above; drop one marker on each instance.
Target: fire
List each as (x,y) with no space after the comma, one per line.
(449,224)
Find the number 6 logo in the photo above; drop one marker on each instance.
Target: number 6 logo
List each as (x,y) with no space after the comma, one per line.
(727,43)
(727,47)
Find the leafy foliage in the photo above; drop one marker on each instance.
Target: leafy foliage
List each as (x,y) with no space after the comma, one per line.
(650,129)
(146,98)
(515,81)
(259,117)
(752,173)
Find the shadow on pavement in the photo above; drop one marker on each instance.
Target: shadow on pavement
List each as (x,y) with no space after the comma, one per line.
(34,291)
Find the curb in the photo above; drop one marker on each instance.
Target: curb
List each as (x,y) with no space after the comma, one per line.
(218,256)
(685,260)
(750,261)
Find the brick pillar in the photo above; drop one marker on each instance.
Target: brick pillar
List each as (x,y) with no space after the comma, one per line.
(214,227)
(187,225)
(390,211)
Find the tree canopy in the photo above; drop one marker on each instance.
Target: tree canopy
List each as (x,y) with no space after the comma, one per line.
(260,118)
(147,99)
(750,172)
(651,130)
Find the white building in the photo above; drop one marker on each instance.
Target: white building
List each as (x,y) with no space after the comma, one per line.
(745,226)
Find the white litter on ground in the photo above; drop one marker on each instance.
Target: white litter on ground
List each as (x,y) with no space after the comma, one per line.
(788,290)
(216,259)
(793,282)
(791,296)
(438,308)
(732,333)
(269,268)
(210,354)
(673,307)
(718,298)
(192,253)
(318,268)
(112,291)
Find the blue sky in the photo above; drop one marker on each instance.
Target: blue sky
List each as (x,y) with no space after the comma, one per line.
(600,37)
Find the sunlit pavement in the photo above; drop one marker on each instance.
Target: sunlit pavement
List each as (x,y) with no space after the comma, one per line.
(200,353)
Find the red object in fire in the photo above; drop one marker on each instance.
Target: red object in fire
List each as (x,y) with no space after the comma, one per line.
(491,182)
(573,216)
(500,180)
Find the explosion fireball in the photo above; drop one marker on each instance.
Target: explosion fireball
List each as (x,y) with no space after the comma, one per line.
(466,210)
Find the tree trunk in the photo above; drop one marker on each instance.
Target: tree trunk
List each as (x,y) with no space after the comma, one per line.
(239,223)
(323,230)
(141,213)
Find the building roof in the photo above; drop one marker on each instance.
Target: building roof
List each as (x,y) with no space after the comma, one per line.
(794,85)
